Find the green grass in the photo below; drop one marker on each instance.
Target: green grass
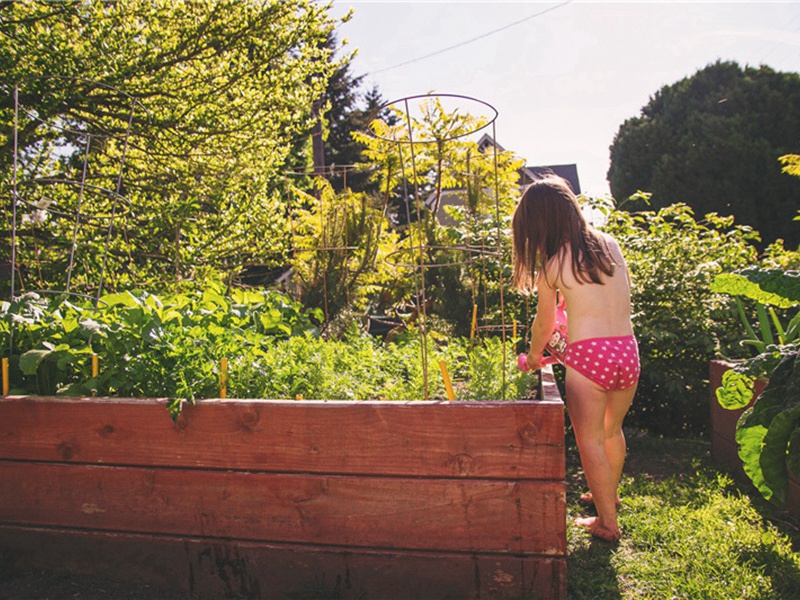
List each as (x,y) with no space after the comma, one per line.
(689,531)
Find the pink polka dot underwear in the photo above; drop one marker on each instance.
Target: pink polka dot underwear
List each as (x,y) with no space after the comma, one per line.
(612,362)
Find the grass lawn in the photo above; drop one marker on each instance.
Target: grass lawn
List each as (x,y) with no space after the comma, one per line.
(689,531)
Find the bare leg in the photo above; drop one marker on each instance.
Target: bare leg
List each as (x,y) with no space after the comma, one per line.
(616,408)
(597,416)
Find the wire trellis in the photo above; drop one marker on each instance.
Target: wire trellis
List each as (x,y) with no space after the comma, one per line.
(31,177)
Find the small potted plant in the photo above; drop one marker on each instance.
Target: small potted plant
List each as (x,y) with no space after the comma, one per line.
(766,387)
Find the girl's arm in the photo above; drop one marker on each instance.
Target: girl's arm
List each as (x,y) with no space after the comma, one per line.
(543,322)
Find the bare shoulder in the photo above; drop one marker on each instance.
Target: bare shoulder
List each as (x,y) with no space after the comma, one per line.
(613,245)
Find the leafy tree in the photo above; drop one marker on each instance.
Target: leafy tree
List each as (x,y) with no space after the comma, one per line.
(223,90)
(712,141)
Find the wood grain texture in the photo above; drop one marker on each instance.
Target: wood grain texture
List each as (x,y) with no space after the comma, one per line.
(277,499)
(521,440)
(203,568)
(461,515)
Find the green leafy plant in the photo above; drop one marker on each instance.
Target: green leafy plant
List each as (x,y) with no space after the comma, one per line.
(171,346)
(768,289)
(768,433)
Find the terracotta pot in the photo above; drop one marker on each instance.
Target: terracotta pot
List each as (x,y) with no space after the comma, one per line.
(724,450)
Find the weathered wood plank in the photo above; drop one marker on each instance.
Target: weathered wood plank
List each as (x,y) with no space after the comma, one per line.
(206,569)
(522,440)
(526,517)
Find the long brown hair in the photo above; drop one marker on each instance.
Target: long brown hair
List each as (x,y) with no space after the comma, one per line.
(547,218)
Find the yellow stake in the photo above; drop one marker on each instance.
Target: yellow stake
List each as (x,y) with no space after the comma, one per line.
(95,367)
(223,377)
(5,377)
(514,333)
(448,386)
(474,321)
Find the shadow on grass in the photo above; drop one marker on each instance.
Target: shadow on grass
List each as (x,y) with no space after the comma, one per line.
(689,531)
(590,572)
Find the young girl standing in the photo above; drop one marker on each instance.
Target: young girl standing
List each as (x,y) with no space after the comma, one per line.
(555,250)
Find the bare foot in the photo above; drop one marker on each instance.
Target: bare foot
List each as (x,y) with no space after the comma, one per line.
(598,530)
(589,499)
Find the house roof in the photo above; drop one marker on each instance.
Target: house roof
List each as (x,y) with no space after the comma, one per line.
(530,174)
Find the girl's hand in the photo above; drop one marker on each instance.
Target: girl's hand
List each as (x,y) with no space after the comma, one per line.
(535,361)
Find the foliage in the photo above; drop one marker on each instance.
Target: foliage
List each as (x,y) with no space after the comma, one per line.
(341,243)
(711,141)
(172,347)
(217,94)
(777,287)
(765,431)
(680,324)
(768,433)
(452,199)
(147,345)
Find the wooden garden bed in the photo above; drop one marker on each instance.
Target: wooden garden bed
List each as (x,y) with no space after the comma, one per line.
(267,499)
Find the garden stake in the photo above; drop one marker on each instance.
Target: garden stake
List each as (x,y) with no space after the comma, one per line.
(5,377)
(474,321)
(223,377)
(447,384)
(514,333)
(95,368)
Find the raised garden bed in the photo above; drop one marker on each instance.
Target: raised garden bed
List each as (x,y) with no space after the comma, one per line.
(271,499)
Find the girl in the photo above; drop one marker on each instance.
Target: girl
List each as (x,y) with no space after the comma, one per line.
(555,250)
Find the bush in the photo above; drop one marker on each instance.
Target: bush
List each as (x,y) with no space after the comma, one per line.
(680,324)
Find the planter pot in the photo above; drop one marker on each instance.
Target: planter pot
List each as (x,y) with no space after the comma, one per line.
(271,499)
(724,449)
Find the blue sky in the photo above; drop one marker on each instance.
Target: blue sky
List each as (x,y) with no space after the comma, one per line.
(563,76)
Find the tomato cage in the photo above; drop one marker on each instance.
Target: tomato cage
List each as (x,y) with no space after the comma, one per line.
(432,158)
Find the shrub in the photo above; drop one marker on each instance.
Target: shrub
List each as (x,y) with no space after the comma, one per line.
(679,323)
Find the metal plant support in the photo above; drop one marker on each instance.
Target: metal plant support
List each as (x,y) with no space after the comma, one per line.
(403,106)
(27,180)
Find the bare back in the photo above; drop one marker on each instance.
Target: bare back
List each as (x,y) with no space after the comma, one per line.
(595,310)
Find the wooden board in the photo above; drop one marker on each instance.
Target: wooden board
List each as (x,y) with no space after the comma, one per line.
(521,440)
(203,568)
(471,515)
(269,499)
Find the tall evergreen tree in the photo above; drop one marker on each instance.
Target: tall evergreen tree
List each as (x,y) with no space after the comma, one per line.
(713,141)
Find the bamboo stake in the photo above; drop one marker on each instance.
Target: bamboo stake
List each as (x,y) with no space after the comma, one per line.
(95,368)
(448,386)
(223,377)
(5,377)
(474,321)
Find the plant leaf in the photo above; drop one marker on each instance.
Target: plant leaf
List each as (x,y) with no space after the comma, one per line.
(29,362)
(774,452)
(777,287)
